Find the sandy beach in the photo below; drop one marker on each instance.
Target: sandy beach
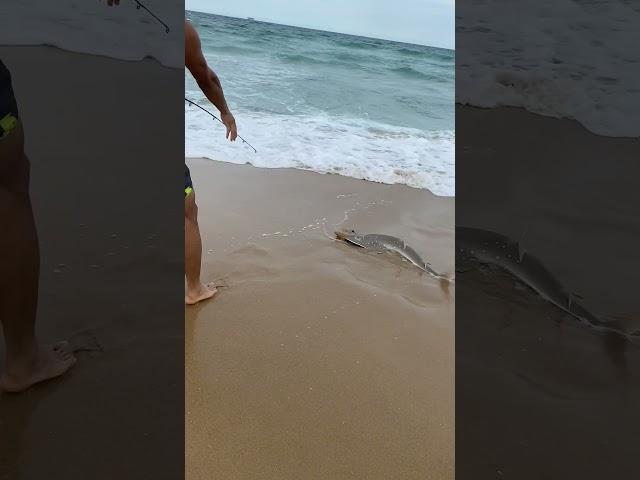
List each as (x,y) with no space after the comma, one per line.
(110,217)
(317,360)
(539,395)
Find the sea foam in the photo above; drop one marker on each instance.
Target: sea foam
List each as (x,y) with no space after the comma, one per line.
(92,27)
(354,148)
(575,59)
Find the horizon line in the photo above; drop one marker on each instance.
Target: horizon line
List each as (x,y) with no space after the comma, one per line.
(318,30)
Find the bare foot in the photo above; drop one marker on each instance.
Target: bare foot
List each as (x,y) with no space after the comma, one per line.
(51,361)
(203,293)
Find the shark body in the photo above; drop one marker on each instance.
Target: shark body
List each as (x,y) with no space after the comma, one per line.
(381,243)
(492,248)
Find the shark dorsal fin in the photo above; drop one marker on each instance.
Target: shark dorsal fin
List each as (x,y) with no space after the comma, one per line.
(521,250)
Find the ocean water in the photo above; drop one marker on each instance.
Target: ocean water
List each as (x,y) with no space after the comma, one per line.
(92,27)
(575,59)
(360,107)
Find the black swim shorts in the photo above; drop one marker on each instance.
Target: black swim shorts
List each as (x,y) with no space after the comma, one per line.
(188,184)
(8,105)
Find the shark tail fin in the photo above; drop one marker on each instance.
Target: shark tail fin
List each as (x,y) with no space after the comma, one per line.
(445,282)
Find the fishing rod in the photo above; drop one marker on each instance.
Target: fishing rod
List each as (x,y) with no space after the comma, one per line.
(207,111)
(139,5)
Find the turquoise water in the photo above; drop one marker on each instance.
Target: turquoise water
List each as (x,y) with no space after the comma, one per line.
(361,107)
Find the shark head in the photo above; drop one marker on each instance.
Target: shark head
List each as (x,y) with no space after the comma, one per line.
(350,236)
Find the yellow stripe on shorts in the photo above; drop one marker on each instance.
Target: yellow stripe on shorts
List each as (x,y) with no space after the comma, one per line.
(8,123)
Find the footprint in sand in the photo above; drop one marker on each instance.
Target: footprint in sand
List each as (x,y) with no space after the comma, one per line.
(85,342)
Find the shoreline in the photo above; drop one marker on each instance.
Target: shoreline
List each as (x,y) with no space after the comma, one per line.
(104,56)
(568,121)
(124,33)
(373,182)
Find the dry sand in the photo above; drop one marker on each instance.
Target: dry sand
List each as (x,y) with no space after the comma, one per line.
(538,395)
(318,360)
(109,211)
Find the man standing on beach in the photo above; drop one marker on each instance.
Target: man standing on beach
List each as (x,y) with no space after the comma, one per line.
(27,361)
(210,85)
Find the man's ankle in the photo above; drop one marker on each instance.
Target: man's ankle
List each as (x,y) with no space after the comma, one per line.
(21,360)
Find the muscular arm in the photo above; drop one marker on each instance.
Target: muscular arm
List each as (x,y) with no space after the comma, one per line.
(206,78)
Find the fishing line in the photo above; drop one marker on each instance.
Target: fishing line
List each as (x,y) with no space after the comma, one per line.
(139,5)
(207,111)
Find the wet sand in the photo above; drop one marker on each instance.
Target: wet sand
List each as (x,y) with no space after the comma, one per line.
(317,360)
(539,395)
(110,219)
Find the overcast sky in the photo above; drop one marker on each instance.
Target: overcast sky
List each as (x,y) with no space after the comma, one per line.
(425,22)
